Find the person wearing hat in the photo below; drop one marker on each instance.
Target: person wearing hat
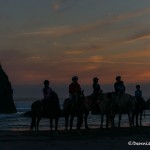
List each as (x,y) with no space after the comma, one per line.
(74,88)
(119,86)
(47,90)
(138,92)
(96,92)
(96,86)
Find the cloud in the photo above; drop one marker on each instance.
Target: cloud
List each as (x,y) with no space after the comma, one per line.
(138,38)
(35,57)
(59,31)
(142,53)
(73,52)
(95,59)
(86,49)
(62,5)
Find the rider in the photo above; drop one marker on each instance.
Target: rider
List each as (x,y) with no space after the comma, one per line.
(96,86)
(96,92)
(138,92)
(47,91)
(119,86)
(74,89)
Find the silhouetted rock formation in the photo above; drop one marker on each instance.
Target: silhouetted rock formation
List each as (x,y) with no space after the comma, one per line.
(7,105)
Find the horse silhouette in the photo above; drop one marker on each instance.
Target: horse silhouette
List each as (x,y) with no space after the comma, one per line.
(123,104)
(101,106)
(104,102)
(77,109)
(49,109)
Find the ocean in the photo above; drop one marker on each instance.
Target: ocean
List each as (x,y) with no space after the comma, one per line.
(17,122)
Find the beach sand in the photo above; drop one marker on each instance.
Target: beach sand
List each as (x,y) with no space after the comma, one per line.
(94,139)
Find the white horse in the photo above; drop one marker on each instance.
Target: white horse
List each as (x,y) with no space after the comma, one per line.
(123,104)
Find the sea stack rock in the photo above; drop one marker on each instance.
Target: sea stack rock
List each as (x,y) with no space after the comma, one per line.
(7,105)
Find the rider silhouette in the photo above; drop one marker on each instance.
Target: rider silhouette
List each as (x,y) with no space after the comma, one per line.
(74,89)
(47,91)
(119,86)
(138,93)
(96,93)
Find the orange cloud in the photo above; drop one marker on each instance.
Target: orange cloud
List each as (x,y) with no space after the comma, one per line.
(74,52)
(95,59)
(132,54)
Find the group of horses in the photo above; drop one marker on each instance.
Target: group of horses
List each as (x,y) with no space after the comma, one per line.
(109,104)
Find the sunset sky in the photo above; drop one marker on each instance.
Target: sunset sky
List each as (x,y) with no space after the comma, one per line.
(56,39)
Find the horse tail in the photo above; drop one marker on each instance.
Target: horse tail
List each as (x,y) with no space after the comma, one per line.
(144,114)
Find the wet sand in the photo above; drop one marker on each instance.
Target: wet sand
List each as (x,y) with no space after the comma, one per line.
(94,139)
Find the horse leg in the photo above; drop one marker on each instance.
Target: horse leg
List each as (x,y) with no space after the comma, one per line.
(79,121)
(119,120)
(130,121)
(112,120)
(137,116)
(33,122)
(102,119)
(140,119)
(51,124)
(85,121)
(71,122)
(37,124)
(107,118)
(56,123)
(66,122)
(133,116)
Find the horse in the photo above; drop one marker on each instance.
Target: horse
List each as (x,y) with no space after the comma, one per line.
(139,109)
(77,109)
(104,102)
(49,109)
(123,104)
(100,106)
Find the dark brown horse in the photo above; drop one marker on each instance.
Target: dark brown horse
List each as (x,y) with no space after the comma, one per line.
(49,109)
(77,109)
